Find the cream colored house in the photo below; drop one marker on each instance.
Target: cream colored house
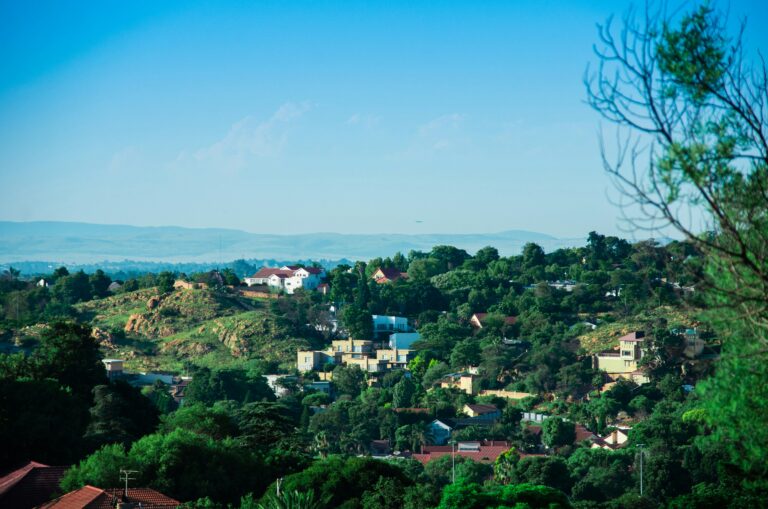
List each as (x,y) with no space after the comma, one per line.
(624,363)
(615,440)
(463,381)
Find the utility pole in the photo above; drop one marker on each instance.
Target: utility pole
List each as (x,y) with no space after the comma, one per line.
(125,475)
(453,461)
(640,446)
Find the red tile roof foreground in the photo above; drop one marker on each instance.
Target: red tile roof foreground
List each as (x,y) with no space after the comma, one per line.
(487,453)
(30,485)
(90,497)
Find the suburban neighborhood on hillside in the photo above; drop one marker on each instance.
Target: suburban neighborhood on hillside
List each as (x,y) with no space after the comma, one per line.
(384,255)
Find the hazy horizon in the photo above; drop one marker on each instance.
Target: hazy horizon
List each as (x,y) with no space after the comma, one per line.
(307,117)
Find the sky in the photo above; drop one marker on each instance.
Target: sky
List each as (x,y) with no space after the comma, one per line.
(317,116)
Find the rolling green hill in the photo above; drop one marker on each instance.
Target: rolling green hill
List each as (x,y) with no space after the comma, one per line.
(201,327)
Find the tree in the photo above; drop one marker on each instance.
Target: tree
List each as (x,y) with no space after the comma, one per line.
(357,321)
(348,380)
(165,282)
(557,432)
(403,392)
(691,109)
(120,413)
(69,354)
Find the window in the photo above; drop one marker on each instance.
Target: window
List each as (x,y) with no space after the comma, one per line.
(626,353)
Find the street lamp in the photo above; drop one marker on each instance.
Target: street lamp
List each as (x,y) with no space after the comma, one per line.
(640,446)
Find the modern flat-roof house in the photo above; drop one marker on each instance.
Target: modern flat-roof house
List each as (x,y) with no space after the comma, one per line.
(384,325)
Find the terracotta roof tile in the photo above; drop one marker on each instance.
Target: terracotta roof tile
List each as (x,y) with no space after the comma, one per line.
(30,485)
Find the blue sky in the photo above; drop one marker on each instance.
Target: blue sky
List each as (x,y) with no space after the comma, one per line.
(289,117)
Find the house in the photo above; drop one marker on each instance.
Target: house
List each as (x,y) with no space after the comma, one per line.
(319,386)
(274,383)
(388,275)
(506,394)
(394,357)
(91,497)
(403,340)
(440,431)
(482,412)
(313,360)
(178,390)
(114,367)
(29,485)
(614,440)
(43,283)
(477,319)
(463,381)
(625,362)
(288,278)
(485,451)
(694,345)
(384,325)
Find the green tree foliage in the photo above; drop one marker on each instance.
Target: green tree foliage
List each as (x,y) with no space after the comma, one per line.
(557,432)
(358,322)
(68,354)
(474,496)
(32,413)
(403,393)
(120,413)
(698,102)
(208,386)
(343,482)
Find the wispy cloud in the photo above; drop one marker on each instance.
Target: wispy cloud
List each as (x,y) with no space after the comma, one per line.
(442,132)
(362,120)
(248,139)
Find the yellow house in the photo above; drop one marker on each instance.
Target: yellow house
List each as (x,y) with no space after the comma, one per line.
(463,381)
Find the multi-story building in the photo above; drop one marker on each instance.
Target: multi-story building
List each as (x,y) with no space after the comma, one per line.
(625,362)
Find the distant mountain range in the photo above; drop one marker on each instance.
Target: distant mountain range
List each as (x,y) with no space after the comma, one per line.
(80,243)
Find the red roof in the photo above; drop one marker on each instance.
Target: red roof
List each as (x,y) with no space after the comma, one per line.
(265,272)
(633,336)
(508,320)
(389,274)
(30,485)
(313,270)
(487,452)
(90,497)
(583,433)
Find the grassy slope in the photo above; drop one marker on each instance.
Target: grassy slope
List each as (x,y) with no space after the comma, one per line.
(605,336)
(197,326)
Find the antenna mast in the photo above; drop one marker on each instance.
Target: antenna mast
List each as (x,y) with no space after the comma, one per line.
(125,475)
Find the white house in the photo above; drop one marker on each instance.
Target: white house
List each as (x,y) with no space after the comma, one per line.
(288,278)
(383,324)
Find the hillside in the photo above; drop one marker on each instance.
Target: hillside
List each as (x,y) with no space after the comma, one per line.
(202,327)
(605,336)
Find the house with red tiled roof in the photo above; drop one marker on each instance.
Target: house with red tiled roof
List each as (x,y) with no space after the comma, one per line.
(90,497)
(388,275)
(478,319)
(482,452)
(29,485)
(288,278)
